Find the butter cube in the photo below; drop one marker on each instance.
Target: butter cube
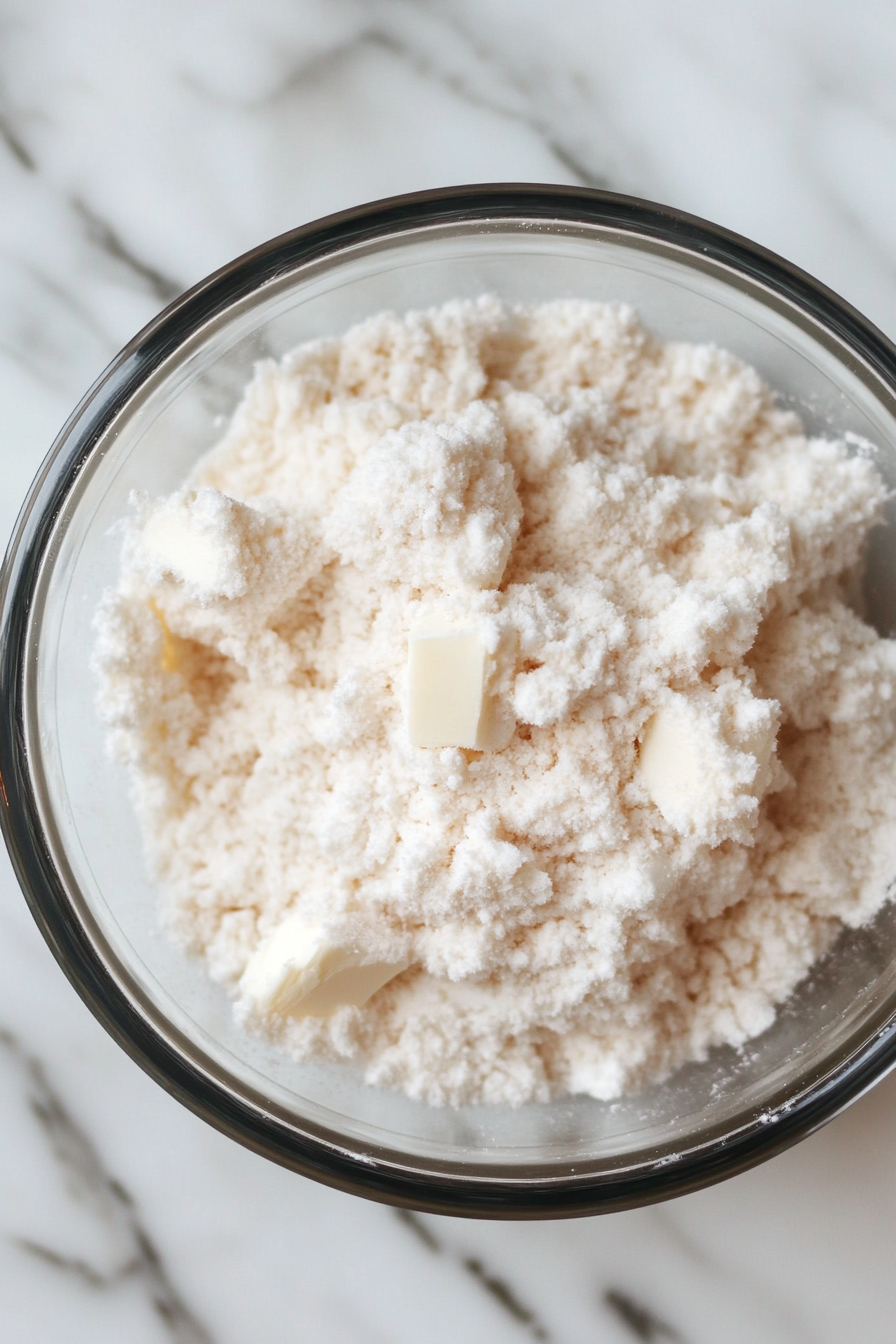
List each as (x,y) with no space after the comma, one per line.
(198,537)
(704,758)
(671,768)
(173,540)
(303,971)
(446,684)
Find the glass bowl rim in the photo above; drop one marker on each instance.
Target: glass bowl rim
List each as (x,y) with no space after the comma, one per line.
(386,1175)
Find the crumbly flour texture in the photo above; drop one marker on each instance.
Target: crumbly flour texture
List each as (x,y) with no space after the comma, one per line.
(633,527)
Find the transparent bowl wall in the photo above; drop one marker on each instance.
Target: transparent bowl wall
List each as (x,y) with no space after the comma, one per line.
(317,1112)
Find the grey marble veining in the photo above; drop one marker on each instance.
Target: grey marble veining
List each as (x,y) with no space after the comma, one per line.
(106,1246)
(141,146)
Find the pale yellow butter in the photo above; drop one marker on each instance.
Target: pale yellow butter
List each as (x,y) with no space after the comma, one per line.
(699,765)
(671,768)
(446,684)
(305,971)
(173,539)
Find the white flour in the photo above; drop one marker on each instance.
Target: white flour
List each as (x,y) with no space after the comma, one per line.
(632,526)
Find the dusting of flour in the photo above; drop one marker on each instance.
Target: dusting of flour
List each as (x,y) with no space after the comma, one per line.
(630,525)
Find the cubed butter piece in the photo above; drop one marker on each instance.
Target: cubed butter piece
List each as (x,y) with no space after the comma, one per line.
(199,536)
(304,971)
(446,684)
(671,768)
(695,763)
(169,659)
(172,538)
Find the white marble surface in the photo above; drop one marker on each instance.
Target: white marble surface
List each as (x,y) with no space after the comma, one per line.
(144,143)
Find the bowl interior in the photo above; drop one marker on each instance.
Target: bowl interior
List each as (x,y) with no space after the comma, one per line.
(151,445)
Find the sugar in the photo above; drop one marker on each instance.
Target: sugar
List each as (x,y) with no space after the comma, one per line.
(684,785)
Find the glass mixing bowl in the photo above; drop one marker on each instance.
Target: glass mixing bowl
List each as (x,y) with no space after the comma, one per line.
(66,817)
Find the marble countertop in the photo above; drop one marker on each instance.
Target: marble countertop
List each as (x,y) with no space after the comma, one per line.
(142,145)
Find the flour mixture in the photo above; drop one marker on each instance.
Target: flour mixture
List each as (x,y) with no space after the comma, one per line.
(497,714)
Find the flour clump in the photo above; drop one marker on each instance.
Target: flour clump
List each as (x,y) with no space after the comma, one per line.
(631,569)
